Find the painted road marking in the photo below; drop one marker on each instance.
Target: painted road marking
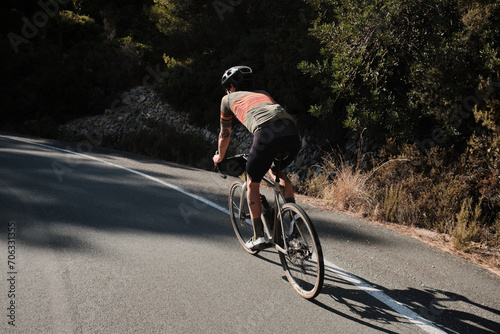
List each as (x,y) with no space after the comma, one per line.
(378,294)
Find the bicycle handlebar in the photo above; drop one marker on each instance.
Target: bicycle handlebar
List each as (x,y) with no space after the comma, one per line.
(233,165)
(216,167)
(224,176)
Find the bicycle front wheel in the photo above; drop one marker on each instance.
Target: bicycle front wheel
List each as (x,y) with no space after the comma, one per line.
(303,260)
(240,215)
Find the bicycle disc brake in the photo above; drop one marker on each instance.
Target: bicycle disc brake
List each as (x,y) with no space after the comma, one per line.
(298,253)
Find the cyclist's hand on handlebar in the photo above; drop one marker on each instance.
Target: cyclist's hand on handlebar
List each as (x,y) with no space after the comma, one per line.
(217,158)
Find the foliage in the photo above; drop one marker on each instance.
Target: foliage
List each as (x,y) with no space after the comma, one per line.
(420,79)
(397,68)
(68,65)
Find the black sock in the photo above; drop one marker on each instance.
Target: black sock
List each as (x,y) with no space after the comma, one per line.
(258,228)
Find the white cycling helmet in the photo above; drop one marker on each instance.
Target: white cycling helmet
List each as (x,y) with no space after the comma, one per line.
(236,75)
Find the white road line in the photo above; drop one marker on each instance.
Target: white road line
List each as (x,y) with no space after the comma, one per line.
(416,319)
(376,293)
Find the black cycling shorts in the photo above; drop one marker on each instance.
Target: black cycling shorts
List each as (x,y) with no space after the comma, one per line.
(268,142)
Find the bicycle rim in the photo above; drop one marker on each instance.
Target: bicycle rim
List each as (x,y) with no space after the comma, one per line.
(303,262)
(240,219)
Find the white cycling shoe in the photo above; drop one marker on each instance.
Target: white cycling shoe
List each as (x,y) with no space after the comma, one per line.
(260,243)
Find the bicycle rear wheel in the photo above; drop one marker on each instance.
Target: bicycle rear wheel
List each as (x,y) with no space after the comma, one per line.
(303,262)
(240,215)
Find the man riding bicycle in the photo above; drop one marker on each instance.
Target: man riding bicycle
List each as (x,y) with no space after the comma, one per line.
(274,132)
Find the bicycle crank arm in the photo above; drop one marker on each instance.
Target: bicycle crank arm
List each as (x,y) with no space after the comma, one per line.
(280,249)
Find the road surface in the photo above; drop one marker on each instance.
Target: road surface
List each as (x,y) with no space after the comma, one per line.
(99,241)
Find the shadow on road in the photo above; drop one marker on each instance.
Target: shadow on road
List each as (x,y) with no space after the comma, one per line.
(49,197)
(451,312)
(442,308)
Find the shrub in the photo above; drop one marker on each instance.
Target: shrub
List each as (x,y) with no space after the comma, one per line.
(349,190)
(342,185)
(426,190)
(314,184)
(466,229)
(397,206)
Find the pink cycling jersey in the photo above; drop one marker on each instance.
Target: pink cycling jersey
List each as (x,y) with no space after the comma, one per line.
(253,109)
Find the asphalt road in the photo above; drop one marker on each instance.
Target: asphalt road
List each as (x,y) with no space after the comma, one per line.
(107,242)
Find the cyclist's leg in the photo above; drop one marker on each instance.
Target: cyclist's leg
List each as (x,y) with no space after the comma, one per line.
(255,207)
(265,146)
(290,145)
(259,160)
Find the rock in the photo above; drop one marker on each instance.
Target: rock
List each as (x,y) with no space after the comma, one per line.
(141,108)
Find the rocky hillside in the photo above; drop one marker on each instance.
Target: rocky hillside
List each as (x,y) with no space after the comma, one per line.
(140,110)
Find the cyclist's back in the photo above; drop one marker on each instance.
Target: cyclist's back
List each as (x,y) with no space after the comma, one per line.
(254,109)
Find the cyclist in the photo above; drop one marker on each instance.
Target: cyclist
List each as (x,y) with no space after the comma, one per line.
(274,132)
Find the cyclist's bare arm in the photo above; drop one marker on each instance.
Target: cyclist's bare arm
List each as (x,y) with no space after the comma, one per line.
(224,136)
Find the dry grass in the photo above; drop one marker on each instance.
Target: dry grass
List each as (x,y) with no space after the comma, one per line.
(467,230)
(349,191)
(342,186)
(348,187)
(399,195)
(397,205)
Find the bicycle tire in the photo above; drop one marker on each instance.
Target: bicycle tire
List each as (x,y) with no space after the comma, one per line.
(303,263)
(241,221)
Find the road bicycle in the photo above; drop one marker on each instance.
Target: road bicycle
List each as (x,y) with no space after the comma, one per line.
(286,226)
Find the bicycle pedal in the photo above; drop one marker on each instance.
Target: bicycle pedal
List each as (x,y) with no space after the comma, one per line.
(266,245)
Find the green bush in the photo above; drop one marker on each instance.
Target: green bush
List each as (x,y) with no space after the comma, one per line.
(400,69)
